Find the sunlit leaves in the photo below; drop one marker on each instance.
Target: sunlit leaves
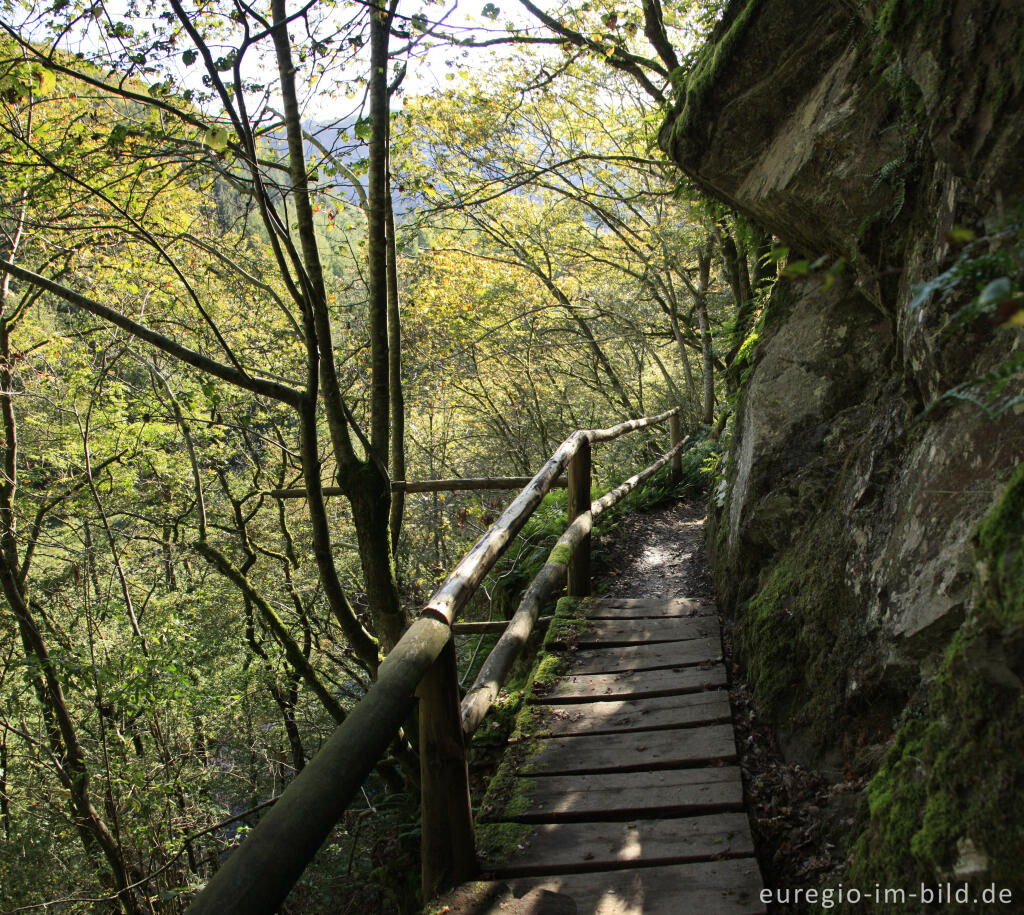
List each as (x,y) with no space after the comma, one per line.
(216,138)
(23,79)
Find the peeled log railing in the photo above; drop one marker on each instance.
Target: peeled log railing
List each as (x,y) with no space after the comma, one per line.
(259,874)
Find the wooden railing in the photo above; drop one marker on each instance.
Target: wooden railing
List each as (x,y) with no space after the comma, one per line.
(258,875)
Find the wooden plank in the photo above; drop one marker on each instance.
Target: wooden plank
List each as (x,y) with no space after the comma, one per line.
(609,633)
(634,608)
(730,887)
(644,657)
(632,714)
(626,795)
(633,685)
(630,751)
(554,848)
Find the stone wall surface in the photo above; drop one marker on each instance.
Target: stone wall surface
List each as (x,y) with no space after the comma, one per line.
(856,534)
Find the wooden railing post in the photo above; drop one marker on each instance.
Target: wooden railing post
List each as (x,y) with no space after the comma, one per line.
(447,845)
(677,458)
(578,584)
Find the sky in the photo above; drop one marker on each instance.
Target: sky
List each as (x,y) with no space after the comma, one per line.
(426,73)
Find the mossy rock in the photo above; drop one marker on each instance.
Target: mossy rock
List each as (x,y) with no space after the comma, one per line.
(695,88)
(1000,557)
(948,802)
(802,640)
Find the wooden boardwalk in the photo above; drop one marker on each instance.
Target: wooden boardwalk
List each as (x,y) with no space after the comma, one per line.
(621,792)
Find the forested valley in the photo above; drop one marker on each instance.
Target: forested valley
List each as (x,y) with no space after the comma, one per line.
(249,280)
(296,297)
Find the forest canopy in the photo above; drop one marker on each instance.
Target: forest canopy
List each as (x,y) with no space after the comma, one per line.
(244,250)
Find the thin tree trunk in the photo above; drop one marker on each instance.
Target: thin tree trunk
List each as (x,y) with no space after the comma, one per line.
(395,376)
(377,234)
(707,353)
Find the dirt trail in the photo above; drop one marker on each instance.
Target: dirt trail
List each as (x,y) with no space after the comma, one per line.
(659,553)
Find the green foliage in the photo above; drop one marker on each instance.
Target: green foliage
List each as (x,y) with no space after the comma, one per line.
(990,270)
(191,699)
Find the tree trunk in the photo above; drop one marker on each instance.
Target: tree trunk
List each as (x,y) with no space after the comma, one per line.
(707,354)
(377,235)
(395,376)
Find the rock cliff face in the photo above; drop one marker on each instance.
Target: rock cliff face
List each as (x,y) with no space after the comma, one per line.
(870,548)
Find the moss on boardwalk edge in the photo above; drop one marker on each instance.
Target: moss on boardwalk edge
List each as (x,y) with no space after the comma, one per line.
(499,836)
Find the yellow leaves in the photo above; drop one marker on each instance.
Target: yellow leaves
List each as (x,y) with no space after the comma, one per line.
(1015,319)
(25,79)
(216,138)
(46,81)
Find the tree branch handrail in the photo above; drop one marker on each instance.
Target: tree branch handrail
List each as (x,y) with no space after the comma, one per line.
(454,484)
(502,656)
(259,874)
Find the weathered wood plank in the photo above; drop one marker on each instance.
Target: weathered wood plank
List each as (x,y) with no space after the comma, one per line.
(644,657)
(626,795)
(631,684)
(631,751)
(632,714)
(609,633)
(554,848)
(730,887)
(640,607)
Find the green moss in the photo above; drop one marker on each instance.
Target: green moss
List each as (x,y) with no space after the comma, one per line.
(998,543)
(501,841)
(567,606)
(568,623)
(560,554)
(565,631)
(955,775)
(500,723)
(898,20)
(506,795)
(711,60)
(499,835)
(801,641)
(548,670)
